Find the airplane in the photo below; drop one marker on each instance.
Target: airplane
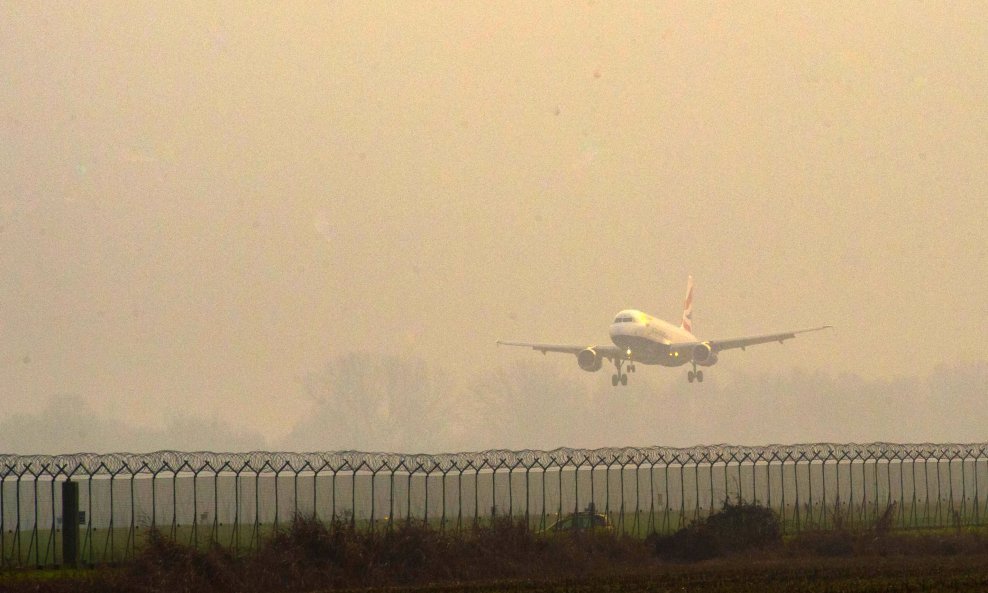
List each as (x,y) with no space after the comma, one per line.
(640,338)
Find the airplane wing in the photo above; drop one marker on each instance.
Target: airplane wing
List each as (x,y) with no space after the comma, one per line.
(604,351)
(728,344)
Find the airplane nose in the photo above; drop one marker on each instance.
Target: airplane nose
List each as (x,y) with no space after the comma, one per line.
(622,329)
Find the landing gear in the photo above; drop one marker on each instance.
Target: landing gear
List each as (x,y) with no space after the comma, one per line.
(620,377)
(695,374)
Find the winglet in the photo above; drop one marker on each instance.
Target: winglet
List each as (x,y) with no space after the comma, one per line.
(688,306)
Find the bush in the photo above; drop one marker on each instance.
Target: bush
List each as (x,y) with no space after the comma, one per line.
(738,527)
(165,565)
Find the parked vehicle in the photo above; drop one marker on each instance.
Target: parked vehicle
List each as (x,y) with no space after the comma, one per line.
(581,521)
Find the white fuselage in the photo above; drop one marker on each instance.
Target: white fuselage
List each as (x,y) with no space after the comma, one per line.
(640,338)
(650,340)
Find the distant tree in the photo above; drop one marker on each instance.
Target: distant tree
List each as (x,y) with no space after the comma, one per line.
(375,403)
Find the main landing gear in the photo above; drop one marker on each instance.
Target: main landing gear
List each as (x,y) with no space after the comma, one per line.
(695,374)
(620,377)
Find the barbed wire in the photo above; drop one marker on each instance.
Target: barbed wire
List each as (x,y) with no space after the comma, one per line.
(498,460)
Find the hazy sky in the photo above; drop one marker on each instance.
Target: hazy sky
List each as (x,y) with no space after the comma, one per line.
(209,215)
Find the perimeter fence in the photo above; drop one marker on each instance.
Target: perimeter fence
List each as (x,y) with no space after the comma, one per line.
(238,499)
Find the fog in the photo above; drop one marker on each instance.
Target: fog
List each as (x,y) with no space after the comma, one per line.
(256,226)
(395,405)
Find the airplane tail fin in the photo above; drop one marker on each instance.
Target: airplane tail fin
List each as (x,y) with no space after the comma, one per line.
(688,306)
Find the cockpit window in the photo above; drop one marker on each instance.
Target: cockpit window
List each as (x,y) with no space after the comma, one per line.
(623,319)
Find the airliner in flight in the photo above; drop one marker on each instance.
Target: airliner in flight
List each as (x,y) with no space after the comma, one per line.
(640,338)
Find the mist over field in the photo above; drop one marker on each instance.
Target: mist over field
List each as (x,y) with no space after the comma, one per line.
(401,405)
(237,226)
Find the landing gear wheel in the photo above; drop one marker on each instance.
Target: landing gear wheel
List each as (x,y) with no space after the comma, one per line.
(619,376)
(631,368)
(690,376)
(699,376)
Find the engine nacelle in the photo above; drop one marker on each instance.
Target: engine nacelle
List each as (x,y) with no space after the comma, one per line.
(704,355)
(589,360)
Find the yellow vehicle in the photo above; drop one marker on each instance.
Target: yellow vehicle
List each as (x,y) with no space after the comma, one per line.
(581,521)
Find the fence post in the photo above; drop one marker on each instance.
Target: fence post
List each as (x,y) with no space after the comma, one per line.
(70,523)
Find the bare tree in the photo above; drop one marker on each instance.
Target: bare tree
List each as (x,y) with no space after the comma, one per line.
(376,403)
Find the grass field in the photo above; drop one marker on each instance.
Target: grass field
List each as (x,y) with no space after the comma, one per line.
(965,574)
(42,548)
(740,548)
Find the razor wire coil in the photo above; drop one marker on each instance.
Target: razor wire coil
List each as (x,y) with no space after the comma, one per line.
(235,499)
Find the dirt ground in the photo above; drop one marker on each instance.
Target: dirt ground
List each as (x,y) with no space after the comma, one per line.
(852,575)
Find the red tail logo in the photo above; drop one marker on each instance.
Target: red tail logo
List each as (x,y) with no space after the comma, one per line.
(688,306)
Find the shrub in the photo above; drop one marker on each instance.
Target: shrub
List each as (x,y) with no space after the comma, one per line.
(738,527)
(165,565)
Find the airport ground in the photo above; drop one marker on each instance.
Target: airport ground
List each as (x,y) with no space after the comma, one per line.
(309,558)
(961,574)
(779,575)
(868,574)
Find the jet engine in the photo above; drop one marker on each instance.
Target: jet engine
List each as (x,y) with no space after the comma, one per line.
(589,360)
(704,355)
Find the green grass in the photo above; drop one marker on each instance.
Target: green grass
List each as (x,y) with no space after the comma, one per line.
(308,555)
(99,546)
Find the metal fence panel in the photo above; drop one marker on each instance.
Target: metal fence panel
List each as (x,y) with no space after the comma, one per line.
(238,499)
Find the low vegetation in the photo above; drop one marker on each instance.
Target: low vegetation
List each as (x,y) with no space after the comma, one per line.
(739,527)
(740,548)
